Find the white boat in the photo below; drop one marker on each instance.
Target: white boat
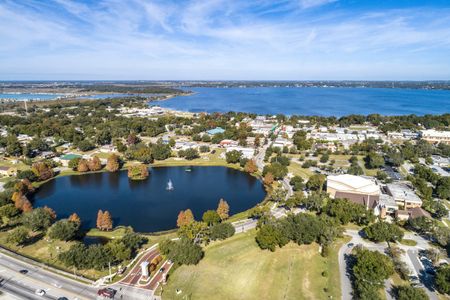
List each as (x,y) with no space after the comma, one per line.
(169,185)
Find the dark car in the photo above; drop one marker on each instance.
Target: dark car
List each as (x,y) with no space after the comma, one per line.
(107,292)
(430,271)
(23,271)
(63,298)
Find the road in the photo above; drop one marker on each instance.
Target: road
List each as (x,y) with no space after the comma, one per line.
(419,271)
(55,285)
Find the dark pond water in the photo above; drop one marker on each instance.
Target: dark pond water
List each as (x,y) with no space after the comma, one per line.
(146,205)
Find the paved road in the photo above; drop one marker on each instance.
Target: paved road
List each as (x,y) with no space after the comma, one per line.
(419,271)
(37,278)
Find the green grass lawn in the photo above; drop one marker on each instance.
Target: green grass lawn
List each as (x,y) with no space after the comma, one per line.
(408,242)
(238,269)
(296,169)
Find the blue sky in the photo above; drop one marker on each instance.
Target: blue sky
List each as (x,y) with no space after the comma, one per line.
(224,39)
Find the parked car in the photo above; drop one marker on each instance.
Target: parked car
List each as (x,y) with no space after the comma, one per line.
(23,271)
(40,292)
(350,245)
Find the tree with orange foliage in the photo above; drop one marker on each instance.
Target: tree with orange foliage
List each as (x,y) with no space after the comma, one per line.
(50,211)
(250,166)
(26,206)
(185,217)
(268,179)
(95,164)
(223,209)
(181,220)
(107,222)
(100,219)
(42,171)
(82,166)
(75,218)
(112,164)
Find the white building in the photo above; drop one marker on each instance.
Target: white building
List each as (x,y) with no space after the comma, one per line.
(434,136)
(351,184)
(248,153)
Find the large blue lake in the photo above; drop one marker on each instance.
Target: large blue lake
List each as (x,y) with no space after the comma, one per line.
(146,205)
(314,101)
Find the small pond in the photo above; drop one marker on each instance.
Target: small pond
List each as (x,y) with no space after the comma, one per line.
(147,205)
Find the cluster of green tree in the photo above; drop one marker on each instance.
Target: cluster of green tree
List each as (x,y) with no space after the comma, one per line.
(99,256)
(301,229)
(406,292)
(430,184)
(370,270)
(383,232)
(355,168)
(276,169)
(430,228)
(181,252)
(442,280)
(189,154)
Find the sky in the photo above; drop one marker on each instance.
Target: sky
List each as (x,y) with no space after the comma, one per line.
(225,40)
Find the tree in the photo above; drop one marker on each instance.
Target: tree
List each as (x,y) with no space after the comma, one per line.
(374,160)
(316,182)
(138,172)
(107,223)
(297,183)
(119,251)
(268,179)
(221,231)
(18,235)
(270,236)
(113,164)
(74,218)
(211,217)
(64,230)
(95,164)
(42,171)
(276,169)
(442,280)
(223,209)
(443,188)
(189,153)
(37,219)
(355,169)
(250,166)
(324,158)
(82,165)
(74,162)
(406,292)
(345,211)
(13,146)
(185,218)
(85,145)
(315,201)
(99,222)
(50,211)
(8,211)
(182,252)
(27,174)
(382,231)
(370,270)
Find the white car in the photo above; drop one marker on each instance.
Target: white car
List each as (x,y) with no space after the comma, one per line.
(40,292)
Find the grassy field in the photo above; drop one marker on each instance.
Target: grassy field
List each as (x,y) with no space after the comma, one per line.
(408,242)
(238,269)
(296,169)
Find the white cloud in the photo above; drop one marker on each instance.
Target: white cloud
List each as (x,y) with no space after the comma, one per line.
(217,38)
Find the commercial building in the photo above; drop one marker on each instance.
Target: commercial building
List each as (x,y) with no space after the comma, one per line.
(350,184)
(403,195)
(434,136)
